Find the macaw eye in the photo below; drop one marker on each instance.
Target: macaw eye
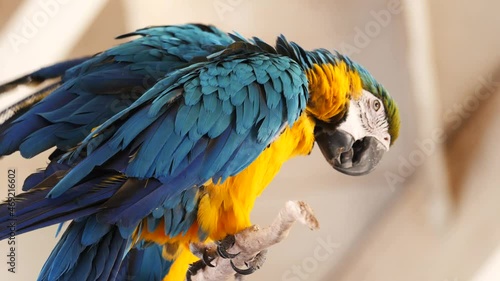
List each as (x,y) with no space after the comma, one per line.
(376,105)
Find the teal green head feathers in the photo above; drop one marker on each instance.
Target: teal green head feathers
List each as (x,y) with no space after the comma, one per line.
(391,109)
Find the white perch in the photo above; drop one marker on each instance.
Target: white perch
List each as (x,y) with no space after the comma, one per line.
(254,240)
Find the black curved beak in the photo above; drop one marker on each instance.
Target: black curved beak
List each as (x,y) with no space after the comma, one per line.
(347,155)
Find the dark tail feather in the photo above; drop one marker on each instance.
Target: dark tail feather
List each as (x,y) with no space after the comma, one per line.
(54,166)
(33,210)
(144,264)
(87,251)
(42,74)
(14,111)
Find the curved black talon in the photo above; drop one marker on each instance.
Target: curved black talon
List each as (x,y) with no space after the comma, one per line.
(240,271)
(208,259)
(253,265)
(224,254)
(224,245)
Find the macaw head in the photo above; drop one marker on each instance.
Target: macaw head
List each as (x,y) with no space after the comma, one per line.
(356,121)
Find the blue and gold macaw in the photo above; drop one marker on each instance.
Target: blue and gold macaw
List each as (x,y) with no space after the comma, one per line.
(168,139)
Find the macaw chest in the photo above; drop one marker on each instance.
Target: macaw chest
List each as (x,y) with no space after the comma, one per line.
(225,207)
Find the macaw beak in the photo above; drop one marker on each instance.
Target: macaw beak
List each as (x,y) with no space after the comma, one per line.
(347,155)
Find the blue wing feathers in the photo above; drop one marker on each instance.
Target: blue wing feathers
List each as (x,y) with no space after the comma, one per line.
(12,137)
(133,127)
(220,125)
(41,140)
(34,210)
(151,121)
(168,217)
(64,255)
(181,152)
(74,259)
(272,97)
(93,231)
(238,98)
(43,74)
(186,118)
(101,155)
(152,146)
(210,102)
(209,118)
(227,107)
(193,92)
(144,264)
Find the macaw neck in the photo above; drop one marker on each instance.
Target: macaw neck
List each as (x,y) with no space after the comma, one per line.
(225,208)
(331,86)
(333,79)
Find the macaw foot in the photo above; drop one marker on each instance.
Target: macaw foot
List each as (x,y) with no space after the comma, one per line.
(209,252)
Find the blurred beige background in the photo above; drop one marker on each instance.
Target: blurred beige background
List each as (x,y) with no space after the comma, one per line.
(430,212)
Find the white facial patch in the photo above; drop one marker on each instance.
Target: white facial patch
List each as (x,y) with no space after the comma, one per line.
(352,124)
(367,118)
